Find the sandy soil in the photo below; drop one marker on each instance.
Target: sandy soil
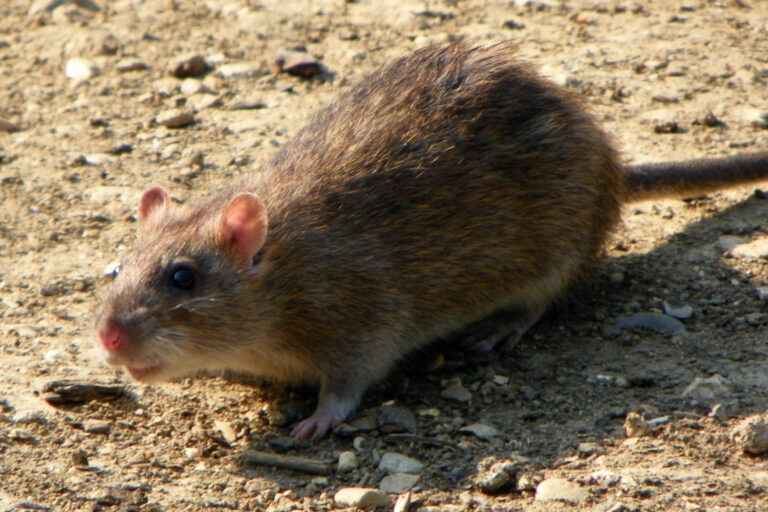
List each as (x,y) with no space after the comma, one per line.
(78,153)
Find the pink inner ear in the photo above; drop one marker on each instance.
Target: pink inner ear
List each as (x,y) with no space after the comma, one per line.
(244,225)
(154,204)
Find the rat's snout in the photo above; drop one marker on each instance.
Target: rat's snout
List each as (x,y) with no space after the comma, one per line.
(111,337)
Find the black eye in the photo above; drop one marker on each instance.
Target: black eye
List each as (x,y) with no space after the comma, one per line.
(112,270)
(183,278)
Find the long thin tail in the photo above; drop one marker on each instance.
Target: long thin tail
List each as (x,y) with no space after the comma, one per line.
(693,177)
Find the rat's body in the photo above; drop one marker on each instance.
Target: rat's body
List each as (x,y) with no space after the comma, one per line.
(451,185)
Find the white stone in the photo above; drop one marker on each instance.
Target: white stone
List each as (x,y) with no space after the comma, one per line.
(80,69)
(360,497)
(559,489)
(398,463)
(398,483)
(347,462)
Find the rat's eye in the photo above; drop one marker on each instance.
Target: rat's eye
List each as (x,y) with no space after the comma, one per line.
(183,278)
(112,270)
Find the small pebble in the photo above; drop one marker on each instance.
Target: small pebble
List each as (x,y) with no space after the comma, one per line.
(239,70)
(677,309)
(727,242)
(398,463)
(636,425)
(80,458)
(21,436)
(97,426)
(395,419)
(495,477)
(706,392)
(192,86)
(455,391)
(188,65)
(175,118)
(657,322)
(755,118)
(762,292)
(559,489)
(347,462)
(751,435)
(297,63)
(229,434)
(80,69)
(398,483)
(755,249)
(360,497)
(130,64)
(8,126)
(481,430)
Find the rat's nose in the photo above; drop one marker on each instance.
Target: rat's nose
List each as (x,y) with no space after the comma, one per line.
(111,337)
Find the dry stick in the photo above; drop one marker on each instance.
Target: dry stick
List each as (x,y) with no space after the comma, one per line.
(301,464)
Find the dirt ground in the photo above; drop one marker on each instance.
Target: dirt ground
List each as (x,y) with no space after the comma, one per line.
(668,79)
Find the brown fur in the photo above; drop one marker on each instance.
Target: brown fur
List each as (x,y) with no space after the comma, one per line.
(450,185)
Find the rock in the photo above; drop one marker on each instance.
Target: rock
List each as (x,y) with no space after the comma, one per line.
(8,126)
(398,463)
(97,426)
(80,458)
(248,104)
(20,435)
(496,478)
(191,453)
(203,101)
(759,478)
(188,65)
(455,391)
(762,292)
(97,159)
(347,462)
(227,432)
(754,117)
(755,249)
(751,435)
(121,148)
(636,425)
(166,87)
(677,309)
(80,69)
(175,118)
(239,69)
(297,63)
(657,322)
(481,430)
(559,489)
(394,419)
(360,497)
(192,86)
(727,242)
(706,392)
(130,64)
(398,483)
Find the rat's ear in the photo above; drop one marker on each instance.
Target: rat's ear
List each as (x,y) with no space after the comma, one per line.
(244,226)
(154,205)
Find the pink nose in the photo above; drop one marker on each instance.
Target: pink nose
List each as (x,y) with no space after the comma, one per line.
(112,336)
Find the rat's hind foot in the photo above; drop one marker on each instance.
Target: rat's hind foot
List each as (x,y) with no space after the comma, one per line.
(331,410)
(503,329)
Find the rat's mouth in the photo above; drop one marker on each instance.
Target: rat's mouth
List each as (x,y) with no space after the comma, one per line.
(143,374)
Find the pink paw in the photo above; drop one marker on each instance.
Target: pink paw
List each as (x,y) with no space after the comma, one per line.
(316,426)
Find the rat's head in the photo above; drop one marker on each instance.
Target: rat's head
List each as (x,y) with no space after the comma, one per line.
(172,306)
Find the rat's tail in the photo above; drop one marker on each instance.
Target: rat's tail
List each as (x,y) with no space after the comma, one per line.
(693,177)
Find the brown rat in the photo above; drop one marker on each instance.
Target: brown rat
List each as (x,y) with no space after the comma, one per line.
(450,186)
